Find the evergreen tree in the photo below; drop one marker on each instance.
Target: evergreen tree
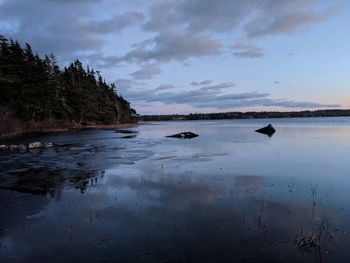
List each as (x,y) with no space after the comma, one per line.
(36,89)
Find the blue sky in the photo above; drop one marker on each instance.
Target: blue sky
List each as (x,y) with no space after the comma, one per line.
(198,55)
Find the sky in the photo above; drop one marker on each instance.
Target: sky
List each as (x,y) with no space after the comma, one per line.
(188,56)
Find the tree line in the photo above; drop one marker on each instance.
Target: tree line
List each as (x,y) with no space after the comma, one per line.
(247,115)
(35,89)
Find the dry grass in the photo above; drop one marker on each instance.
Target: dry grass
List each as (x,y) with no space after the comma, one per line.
(317,239)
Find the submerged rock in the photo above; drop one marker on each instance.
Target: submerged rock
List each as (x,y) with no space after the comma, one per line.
(184,135)
(35,145)
(268,130)
(129,136)
(22,147)
(13,148)
(125,131)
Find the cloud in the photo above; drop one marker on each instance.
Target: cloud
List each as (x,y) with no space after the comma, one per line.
(247,51)
(198,16)
(62,27)
(172,46)
(196,22)
(258,18)
(218,87)
(214,96)
(293,104)
(204,82)
(287,21)
(114,24)
(147,71)
(165,87)
(172,30)
(125,86)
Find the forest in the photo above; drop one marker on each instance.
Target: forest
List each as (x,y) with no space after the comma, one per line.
(247,115)
(37,95)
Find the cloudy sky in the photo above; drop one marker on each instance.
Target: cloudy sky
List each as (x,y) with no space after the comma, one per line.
(198,55)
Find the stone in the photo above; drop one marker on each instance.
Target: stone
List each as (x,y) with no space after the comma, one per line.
(22,147)
(129,136)
(2,147)
(268,130)
(184,135)
(14,148)
(125,131)
(35,145)
(48,145)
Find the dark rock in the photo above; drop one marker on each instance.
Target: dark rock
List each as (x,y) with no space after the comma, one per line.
(125,131)
(268,130)
(13,148)
(129,136)
(184,135)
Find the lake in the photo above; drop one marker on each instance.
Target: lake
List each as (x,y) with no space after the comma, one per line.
(229,195)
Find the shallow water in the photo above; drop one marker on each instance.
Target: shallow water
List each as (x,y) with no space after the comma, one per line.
(229,195)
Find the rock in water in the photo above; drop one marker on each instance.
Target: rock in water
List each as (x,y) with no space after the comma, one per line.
(14,148)
(2,147)
(35,145)
(48,145)
(125,131)
(22,147)
(184,135)
(268,130)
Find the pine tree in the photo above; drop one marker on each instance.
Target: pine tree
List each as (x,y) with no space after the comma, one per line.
(37,89)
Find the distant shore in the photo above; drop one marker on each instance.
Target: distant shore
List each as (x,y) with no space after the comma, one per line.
(248,115)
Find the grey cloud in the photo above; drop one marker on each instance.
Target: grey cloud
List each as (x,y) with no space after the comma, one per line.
(173,45)
(62,27)
(181,29)
(127,86)
(221,16)
(170,46)
(211,97)
(84,25)
(284,22)
(204,82)
(113,24)
(148,71)
(165,87)
(197,18)
(294,104)
(198,15)
(219,87)
(247,51)
(72,1)
(267,102)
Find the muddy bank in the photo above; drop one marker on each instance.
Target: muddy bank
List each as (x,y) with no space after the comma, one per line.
(20,129)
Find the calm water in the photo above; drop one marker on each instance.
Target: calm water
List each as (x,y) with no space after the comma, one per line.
(229,195)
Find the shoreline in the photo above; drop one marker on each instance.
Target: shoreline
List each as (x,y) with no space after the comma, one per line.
(20,133)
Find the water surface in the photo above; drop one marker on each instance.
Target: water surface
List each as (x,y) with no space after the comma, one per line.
(229,195)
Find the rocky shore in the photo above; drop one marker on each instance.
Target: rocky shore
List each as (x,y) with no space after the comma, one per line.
(54,127)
